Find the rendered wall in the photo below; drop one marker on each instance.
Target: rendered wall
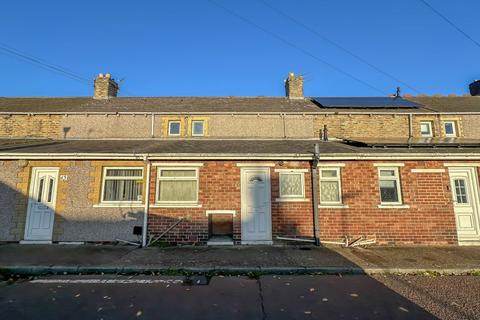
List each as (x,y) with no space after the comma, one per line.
(9,198)
(76,216)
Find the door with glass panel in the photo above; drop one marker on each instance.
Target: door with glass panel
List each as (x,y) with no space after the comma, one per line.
(463,182)
(41,204)
(256,206)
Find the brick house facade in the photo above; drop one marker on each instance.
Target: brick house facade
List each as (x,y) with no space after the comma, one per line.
(98,169)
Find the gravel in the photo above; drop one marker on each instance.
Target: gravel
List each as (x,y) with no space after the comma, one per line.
(446,297)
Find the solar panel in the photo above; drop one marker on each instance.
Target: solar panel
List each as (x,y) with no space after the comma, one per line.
(365,102)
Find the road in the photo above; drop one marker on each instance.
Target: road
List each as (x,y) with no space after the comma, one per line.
(268,297)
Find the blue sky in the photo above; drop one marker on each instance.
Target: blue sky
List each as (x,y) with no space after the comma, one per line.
(194,48)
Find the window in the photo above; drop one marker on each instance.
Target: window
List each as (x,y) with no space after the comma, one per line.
(174,128)
(450,128)
(461,191)
(292,185)
(122,185)
(426,129)
(197,128)
(177,185)
(330,186)
(389,182)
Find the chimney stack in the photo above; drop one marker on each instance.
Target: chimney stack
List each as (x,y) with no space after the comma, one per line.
(475,88)
(105,87)
(294,86)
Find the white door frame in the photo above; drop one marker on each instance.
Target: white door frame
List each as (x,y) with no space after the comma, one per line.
(32,188)
(475,199)
(243,188)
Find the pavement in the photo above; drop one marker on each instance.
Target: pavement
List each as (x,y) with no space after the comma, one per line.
(88,258)
(163,297)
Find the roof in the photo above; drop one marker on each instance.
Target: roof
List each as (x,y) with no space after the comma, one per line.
(158,104)
(176,146)
(366,102)
(450,103)
(223,104)
(414,142)
(198,148)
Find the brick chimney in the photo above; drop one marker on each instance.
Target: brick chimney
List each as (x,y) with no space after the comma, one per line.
(294,86)
(105,87)
(475,88)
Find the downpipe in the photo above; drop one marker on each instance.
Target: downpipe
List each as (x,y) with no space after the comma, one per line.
(314,166)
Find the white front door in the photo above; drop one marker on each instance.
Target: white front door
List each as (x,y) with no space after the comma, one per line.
(41,204)
(256,206)
(463,182)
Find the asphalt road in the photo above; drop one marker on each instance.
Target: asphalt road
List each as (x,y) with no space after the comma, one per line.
(269,297)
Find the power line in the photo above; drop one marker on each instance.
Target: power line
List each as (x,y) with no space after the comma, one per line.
(8,50)
(450,22)
(305,52)
(337,45)
(43,64)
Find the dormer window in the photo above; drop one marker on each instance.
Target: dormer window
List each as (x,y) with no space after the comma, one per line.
(174,128)
(450,128)
(426,129)
(197,128)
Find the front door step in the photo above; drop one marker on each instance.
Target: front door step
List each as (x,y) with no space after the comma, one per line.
(220,241)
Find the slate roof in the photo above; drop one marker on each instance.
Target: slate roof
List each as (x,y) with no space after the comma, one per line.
(158,104)
(219,104)
(199,148)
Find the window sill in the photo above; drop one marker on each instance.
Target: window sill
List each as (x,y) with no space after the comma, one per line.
(291,200)
(393,206)
(333,206)
(119,205)
(176,205)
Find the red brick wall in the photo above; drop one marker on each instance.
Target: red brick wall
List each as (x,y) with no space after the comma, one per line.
(219,189)
(428,220)
(292,218)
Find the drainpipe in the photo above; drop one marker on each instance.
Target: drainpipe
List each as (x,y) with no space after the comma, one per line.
(410,126)
(147,203)
(316,225)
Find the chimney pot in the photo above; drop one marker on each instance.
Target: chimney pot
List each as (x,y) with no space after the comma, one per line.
(105,87)
(294,86)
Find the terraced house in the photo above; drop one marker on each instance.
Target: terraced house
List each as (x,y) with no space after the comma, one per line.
(240,170)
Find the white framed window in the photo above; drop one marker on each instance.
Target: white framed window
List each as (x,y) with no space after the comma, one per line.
(450,128)
(330,186)
(426,129)
(197,128)
(174,128)
(292,185)
(122,185)
(177,185)
(389,183)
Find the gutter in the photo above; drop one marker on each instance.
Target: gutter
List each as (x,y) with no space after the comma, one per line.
(258,156)
(278,113)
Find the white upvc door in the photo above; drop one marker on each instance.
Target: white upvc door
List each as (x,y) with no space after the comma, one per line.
(256,206)
(464,185)
(41,204)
